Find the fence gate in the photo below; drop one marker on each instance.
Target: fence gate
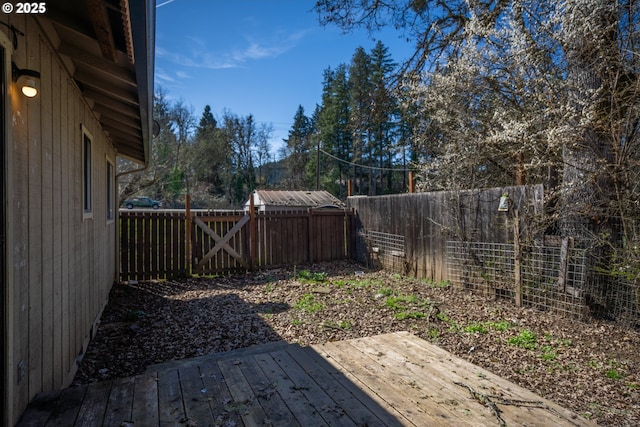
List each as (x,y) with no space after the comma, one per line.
(219,243)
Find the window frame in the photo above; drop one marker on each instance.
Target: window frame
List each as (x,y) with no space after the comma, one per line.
(87,174)
(111,205)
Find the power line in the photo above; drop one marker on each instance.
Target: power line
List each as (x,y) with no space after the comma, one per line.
(365,166)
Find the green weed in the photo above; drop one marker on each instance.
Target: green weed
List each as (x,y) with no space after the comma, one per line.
(525,339)
(441,284)
(453,325)
(385,292)
(501,326)
(343,324)
(614,374)
(476,327)
(549,353)
(407,306)
(403,315)
(309,304)
(309,277)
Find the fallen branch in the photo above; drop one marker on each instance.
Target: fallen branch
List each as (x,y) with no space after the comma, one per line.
(486,401)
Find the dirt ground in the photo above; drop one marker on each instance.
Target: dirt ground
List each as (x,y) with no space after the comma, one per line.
(590,368)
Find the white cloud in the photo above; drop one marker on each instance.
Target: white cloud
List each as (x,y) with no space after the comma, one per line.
(162,76)
(164,3)
(198,54)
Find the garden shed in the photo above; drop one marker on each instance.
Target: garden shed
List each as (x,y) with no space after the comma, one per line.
(89,67)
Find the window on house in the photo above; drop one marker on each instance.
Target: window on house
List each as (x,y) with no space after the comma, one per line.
(110,195)
(86,175)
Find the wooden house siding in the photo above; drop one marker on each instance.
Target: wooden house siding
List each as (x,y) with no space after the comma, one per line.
(61,266)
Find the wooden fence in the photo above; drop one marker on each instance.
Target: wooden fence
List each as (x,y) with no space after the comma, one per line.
(408,233)
(163,244)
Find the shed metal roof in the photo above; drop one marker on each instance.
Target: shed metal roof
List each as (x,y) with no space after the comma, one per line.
(296,198)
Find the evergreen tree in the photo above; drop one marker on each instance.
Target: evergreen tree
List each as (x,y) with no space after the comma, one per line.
(333,129)
(298,146)
(209,162)
(384,112)
(360,117)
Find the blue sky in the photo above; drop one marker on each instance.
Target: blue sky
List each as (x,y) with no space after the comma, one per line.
(260,57)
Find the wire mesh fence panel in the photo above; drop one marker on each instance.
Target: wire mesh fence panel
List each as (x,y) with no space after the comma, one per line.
(382,250)
(624,302)
(486,267)
(553,279)
(550,280)
(561,279)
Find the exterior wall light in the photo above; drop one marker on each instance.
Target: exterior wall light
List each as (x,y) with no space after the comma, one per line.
(27,79)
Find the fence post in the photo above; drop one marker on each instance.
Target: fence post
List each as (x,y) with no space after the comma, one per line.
(187,252)
(516,258)
(412,183)
(310,234)
(252,234)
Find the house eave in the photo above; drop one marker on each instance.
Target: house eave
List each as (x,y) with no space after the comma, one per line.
(108,49)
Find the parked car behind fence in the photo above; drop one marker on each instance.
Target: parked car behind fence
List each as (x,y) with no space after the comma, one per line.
(141,202)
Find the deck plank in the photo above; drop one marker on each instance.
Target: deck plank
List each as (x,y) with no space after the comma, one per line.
(194,396)
(298,404)
(356,404)
(40,410)
(394,379)
(170,407)
(321,402)
(396,392)
(94,405)
(218,395)
(483,381)
(145,400)
(243,397)
(67,409)
(266,392)
(435,390)
(120,402)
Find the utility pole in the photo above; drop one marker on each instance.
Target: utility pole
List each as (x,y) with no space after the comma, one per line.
(317,162)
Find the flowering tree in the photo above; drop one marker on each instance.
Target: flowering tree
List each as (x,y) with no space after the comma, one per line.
(522,91)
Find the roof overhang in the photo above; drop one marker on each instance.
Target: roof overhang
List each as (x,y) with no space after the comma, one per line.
(108,48)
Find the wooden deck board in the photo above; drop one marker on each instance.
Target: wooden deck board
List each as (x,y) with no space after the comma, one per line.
(394,379)
(218,394)
(393,390)
(170,407)
(70,402)
(145,400)
(478,378)
(265,391)
(245,400)
(351,399)
(320,401)
(298,404)
(194,394)
(120,402)
(94,405)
